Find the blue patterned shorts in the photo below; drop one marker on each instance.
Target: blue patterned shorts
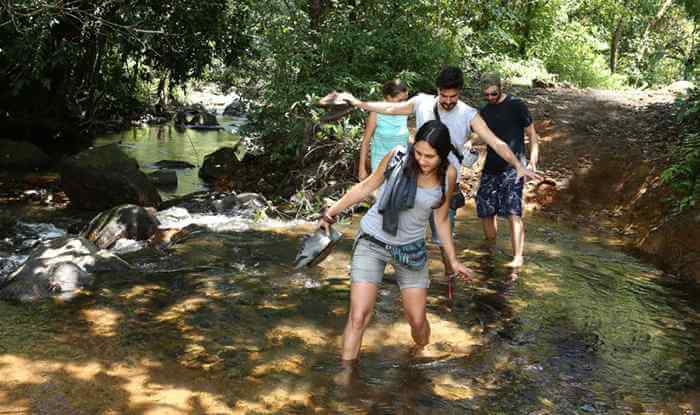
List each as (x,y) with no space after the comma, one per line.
(500,194)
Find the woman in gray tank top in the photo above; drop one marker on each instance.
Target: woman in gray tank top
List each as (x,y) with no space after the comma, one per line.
(393,231)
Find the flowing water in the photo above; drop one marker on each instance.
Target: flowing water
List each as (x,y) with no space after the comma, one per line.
(222,323)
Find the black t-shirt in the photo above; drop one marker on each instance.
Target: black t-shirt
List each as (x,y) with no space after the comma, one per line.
(507,120)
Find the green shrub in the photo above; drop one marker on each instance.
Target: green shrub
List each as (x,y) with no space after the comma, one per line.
(352,49)
(517,71)
(683,175)
(574,55)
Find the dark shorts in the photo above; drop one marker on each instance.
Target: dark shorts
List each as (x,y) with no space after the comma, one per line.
(500,194)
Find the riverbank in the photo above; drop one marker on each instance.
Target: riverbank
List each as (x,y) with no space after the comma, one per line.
(606,150)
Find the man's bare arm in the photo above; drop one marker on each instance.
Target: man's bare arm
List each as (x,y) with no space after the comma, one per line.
(382,107)
(479,126)
(534,145)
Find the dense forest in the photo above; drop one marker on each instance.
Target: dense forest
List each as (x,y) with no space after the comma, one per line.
(70,69)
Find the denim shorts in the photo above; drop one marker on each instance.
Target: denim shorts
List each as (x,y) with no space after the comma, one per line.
(451,214)
(369,262)
(500,194)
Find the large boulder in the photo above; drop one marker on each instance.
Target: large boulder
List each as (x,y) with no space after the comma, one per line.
(195,116)
(21,155)
(121,222)
(103,177)
(224,164)
(221,163)
(234,109)
(60,268)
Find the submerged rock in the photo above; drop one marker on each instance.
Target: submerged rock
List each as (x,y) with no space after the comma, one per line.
(173,164)
(121,222)
(163,178)
(217,202)
(60,268)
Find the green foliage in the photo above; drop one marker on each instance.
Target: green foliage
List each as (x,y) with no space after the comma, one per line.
(350,48)
(516,71)
(573,54)
(683,175)
(77,62)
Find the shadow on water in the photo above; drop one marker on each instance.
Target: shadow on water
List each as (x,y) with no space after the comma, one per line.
(222,324)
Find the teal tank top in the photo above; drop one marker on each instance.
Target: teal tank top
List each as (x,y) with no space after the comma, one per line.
(391,130)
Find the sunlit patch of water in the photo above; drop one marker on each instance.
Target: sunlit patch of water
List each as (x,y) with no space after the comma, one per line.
(235,221)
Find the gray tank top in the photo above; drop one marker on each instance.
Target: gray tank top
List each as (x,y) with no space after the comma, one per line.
(412,222)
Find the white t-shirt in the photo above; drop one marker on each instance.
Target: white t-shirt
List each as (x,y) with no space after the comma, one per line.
(457,120)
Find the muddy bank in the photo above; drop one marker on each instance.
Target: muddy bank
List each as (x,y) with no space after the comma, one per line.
(626,198)
(606,150)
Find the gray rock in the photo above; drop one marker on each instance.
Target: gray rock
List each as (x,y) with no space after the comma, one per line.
(163,178)
(223,163)
(195,116)
(252,201)
(59,268)
(21,155)
(121,222)
(173,164)
(103,177)
(234,109)
(204,202)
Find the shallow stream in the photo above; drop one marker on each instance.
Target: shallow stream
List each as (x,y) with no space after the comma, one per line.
(222,323)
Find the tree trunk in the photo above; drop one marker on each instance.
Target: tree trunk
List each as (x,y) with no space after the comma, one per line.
(529,11)
(615,45)
(693,55)
(162,98)
(316,13)
(95,69)
(650,26)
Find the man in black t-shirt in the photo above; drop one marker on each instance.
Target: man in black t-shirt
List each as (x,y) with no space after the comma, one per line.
(500,191)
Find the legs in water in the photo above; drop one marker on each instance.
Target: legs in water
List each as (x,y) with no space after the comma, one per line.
(517,240)
(414,300)
(517,236)
(362,298)
(490,228)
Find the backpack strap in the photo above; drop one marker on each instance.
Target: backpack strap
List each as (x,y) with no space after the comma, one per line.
(454,150)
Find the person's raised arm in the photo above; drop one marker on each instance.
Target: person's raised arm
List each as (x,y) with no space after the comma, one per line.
(479,126)
(357,193)
(364,148)
(442,225)
(382,107)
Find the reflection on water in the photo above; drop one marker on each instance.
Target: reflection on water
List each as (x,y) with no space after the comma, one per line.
(224,319)
(150,144)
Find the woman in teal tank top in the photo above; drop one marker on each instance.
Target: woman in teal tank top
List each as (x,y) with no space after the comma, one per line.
(383,131)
